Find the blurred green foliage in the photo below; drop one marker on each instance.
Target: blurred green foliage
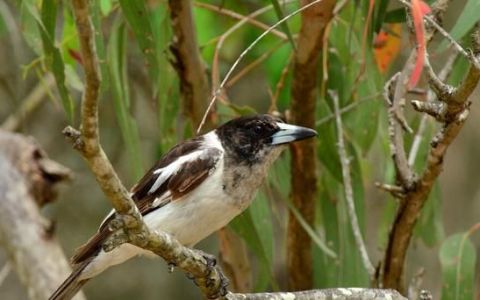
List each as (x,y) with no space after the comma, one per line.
(140,31)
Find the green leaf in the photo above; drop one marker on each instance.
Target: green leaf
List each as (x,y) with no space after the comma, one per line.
(138,18)
(458,71)
(347,269)
(105,6)
(30,30)
(381,10)
(117,58)
(244,226)
(284,25)
(458,258)
(35,31)
(326,270)
(398,15)
(53,57)
(100,44)
(467,19)
(3,26)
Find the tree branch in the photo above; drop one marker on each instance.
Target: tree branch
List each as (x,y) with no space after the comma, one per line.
(249,19)
(340,293)
(131,227)
(304,177)
(457,108)
(347,182)
(27,182)
(189,65)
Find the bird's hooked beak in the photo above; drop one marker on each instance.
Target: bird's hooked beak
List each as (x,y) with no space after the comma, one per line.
(290,133)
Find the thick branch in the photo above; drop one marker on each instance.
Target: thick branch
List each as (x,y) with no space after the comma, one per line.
(27,181)
(189,65)
(304,96)
(131,227)
(327,294)
(414,198)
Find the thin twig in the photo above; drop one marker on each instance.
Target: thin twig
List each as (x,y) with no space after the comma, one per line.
(240,57)
(347,108)
(442,31)
(395,100)
(221,40)
(395,190)
(188,63)
(254,64)
(443,75)
(4,272)
(280,84)
(30,104)
(249,19)
(347,183)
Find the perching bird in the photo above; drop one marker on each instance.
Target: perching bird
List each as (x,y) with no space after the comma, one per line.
(195,189)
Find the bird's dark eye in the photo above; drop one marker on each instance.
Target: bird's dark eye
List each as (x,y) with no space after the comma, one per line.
(257,129)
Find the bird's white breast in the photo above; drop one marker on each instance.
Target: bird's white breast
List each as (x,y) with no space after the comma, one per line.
(189,219)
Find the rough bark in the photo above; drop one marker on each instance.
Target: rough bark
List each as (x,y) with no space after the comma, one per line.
(304,178)
(27,182)
(327,294)
(413,190)
(194,86)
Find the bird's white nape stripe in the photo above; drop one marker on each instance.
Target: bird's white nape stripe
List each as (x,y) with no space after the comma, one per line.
(210,140)
(172,168)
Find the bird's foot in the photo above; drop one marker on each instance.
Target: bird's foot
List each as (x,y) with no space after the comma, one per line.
(211,260)
(219,284)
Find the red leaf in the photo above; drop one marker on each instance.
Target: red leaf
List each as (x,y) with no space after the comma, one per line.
(387,46)
(419,9)
(75,55)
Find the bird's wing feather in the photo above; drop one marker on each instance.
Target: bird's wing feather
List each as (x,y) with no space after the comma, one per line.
(179,181)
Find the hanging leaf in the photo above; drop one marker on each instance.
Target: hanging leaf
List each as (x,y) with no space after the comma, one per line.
(458,257)
(419,9)
(284,26)
(464,23)
(45,28)
(398,15)
(244,226)
(139,20)
(100,45)
(117,59)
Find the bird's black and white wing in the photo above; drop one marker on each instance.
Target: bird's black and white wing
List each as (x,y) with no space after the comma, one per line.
(175,175)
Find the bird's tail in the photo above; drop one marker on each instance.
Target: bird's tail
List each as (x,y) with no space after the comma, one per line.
(72,284)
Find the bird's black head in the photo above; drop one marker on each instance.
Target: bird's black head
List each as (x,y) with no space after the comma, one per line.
(252,139)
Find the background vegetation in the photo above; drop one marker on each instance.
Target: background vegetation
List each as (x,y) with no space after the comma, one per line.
(142,116)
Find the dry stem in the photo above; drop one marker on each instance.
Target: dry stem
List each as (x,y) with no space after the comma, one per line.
(347,183)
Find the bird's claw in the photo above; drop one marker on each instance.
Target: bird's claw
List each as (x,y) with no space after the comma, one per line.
(211,260)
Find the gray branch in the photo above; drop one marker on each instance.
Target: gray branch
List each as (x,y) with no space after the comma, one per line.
(326,294)
(27,181)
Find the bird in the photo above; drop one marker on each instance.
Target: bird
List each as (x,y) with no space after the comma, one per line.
(195,189)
